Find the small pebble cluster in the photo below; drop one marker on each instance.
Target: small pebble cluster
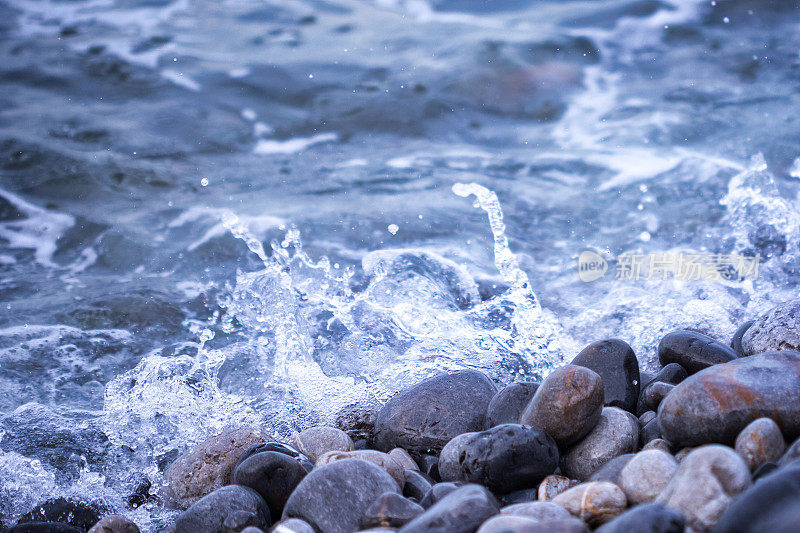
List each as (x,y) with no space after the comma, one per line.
(598,445)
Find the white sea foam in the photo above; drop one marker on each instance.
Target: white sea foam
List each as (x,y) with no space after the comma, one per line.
(38,230)
(291,146)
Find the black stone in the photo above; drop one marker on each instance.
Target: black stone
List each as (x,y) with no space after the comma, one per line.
(655,392)
(520,496)
(274,475)
(647,518)
(504,458)
(772,505)
(672,373)
(208,514)
(617,365)
(76,513)
(508,404)
(461,511)
(390,510)
(736,341)
(277,447)
(439,491)
(423,418)
(651,431)
(693,351)
(417,485)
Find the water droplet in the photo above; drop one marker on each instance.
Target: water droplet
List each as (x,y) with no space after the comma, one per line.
(393,229)
(204,182)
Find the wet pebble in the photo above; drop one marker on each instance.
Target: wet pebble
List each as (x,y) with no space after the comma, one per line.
(672,373)
(595,502)
(693,351)
(736,340)
(704,484)
(273,475)
(655,392)
(658,444)
(714,405)
(759,442)
(208,514)
(567,405)
(333,498)
(318,440)
(616,364)
(778,329)
(381,459)
(648,518)
(504,458)
(424,417)
(650,432)
(73,512)
(358,421)
(416,484)
(507,405)
(461,511)
(438,493)
(390,510)
(646,475)
(616,433)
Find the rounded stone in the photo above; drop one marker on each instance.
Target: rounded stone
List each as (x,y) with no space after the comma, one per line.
(714,405)
(273,475)
(423,418)
(381,459)
(658,444)
(567,405)
(552,486)
(646,475)
(416,484)
(278,447)
(704,484)
(693,351)
(66,511)
(615,434)
(358,421)
(647,518)
(292,525)
(759,442)
(504,458)
(655,392)
(332,498)
(539,511)
(461,511)
(521,524)
(772,505)
(596,502)
(778,329)
(672,373)
(646,417)
(207,466)
(318,440)
(507,405)
(208,514)
(402,458)
(114,524)
(390,510)
(611,470)
(616,364)
(650,432)
(438,493)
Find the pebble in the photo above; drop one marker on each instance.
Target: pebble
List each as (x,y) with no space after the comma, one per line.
(567,405)
(552,486)
(423,418)
(672,373)
(208,514)
(333,497)
(504,458)
(278,447)
(416,484)
(683,452)
(390,510)
(693,351)
(772,505)
(615,434)
(650,432)
(704,484)
(646,417)
(646,475)
(383,460)
(736,340)
(596,502)
(520,496)
(658,444)
(538,511)
(207,466)
(655,392)
(318,440)
(292,525)
(251,529)
(358,421)
(647,518)
(438,492)
(611,470)
(44,527)
(73,512)
(403,459)
(617,366)
(507,405)
(714,405)
(461,511)
(521,524)
(761,441)
(273,475)
(114,524)
(778,329)
(238,520)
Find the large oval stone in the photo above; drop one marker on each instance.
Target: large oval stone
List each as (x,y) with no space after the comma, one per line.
(693,351)
(504,458)
(507,405)
(567,405)
(425,417)
(208,514)
(334,497)
(716,404)
(778,329)
(615,362)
